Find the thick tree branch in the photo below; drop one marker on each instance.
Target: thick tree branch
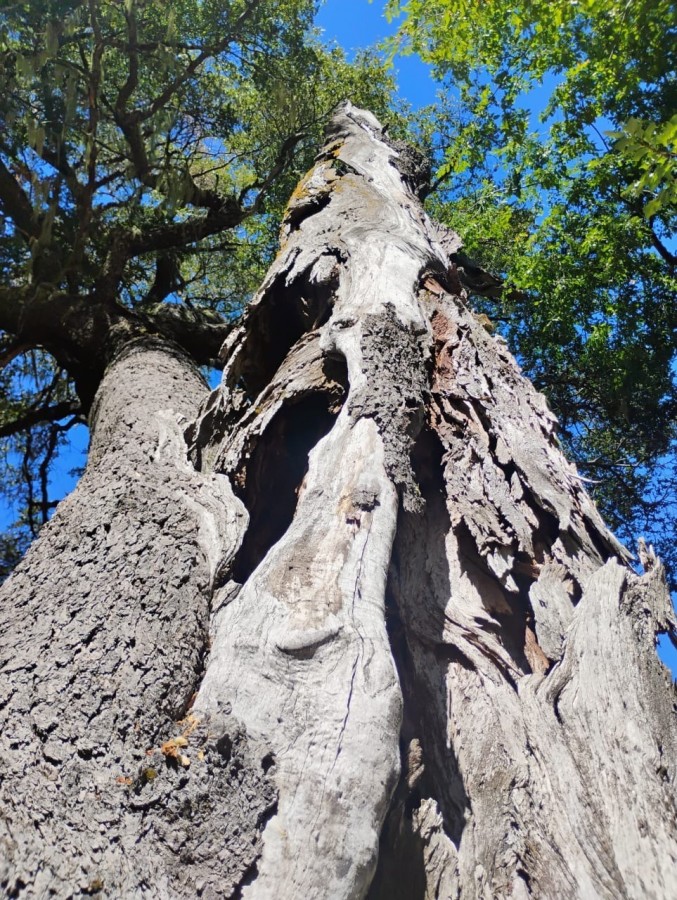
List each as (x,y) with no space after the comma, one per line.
(16,205)
(200,334)
(661,249)
(124,246)
(132,79)
(10,350)
(167,279)
(38,415)
(177,234)
(12,303)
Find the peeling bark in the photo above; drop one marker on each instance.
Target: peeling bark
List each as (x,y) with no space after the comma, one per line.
(442,467)
(418,665)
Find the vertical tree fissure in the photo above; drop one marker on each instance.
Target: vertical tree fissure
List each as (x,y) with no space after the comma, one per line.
(417,663)
(439,498)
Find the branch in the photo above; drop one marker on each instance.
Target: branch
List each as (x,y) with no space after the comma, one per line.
(167,279)
(130,122)
(636,206)
(45,503)
(56,161)
(12,304)
(43,471)
(28,481)
(660,247)
(279,165)
(132,80)
(14,349)
(194,196)
(195,64)
(94,86)
(178,234)
(200,333)
(36,416)
(16,205)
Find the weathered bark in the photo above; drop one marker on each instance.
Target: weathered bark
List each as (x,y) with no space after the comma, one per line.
(105,629)
(431,671)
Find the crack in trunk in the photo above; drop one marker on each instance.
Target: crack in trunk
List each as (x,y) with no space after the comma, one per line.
(425,646)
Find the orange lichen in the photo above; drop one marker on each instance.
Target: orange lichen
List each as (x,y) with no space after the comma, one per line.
(172,749)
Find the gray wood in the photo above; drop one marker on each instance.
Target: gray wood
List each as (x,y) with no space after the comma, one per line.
(418,665)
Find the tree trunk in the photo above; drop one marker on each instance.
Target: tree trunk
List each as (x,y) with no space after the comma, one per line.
(105,631)
(357,631)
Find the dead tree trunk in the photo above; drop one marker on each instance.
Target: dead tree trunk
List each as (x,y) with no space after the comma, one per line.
(417,663)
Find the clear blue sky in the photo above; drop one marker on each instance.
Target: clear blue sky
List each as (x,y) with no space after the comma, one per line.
(356,24)
(353,24)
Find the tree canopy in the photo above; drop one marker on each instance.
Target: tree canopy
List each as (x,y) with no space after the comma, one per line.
(576,208)
(146,155)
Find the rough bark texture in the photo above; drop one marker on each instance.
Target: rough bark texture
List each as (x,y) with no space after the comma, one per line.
(431,671)
(105,629)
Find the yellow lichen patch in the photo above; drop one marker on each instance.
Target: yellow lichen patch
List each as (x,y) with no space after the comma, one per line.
(302,191)
(315,184)
(172,748)
(333,149)
(485,322)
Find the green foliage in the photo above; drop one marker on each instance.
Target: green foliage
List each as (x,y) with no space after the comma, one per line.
(652,149)
(38,409)
(577,209)
(147,151)
(119,119)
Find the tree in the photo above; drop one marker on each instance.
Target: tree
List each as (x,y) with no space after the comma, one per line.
(138,150)
(576,209)
(352,604)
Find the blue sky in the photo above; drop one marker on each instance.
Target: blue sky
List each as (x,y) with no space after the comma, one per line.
(353,24)
(356,24)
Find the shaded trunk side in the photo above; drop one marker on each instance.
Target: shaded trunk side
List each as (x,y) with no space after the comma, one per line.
(105,631)
(542,732)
